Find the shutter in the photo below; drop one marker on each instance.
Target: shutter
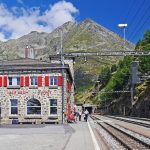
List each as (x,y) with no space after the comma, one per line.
(67,86)
(27,81)
(1,83)
(47,81)
(59,80)
(39,80)
(5,81)
(21,80)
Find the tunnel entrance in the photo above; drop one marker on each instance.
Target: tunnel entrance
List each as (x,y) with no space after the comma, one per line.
(89,108)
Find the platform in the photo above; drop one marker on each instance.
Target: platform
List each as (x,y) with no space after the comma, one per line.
(73,136)
(81,139)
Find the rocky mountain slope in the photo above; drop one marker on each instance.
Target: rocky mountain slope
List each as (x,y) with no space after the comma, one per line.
(85,36)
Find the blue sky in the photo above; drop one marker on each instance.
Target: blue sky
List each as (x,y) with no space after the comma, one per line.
(19,17)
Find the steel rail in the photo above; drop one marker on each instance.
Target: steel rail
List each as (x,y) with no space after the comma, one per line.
(124,141)
(111,130)
(131,121)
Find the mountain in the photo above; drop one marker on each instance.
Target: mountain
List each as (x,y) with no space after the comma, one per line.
(85,36)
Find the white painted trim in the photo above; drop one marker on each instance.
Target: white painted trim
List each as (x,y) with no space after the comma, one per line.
(96,146)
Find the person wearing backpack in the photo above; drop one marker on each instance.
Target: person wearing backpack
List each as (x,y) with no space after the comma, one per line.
(86,113)
(79,114)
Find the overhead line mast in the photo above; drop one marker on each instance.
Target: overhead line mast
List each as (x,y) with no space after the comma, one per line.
(109,53)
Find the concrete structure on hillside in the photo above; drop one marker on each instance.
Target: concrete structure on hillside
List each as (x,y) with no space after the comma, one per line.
(31,90)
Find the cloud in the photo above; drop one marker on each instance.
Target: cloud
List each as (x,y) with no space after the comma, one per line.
(20,1)
(20,21)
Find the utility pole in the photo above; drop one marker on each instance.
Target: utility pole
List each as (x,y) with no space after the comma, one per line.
(0,113)
(134,77)
(62,62)
(124,110)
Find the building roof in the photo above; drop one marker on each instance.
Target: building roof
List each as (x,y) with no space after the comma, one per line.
(27,64)
(23,61)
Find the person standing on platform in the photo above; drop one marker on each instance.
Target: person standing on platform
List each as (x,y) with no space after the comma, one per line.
(79,113)
(75,112)
(86,115)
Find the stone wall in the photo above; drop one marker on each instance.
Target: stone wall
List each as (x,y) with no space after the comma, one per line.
(23,94)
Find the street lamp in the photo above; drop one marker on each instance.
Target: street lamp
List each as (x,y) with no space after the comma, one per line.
(62,62)
(123,26)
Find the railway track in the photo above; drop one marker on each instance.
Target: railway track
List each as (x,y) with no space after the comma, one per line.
(130,120)
(127,140)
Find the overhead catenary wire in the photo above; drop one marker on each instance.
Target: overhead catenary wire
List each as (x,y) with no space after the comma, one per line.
(147,19)
(141,20)
(127,14)
(135,19)
(129,10)
(136,13)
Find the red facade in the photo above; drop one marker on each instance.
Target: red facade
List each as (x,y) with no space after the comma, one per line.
(59,80)
(1,81)
(21,80)
(46,80)
(27,81)
(5,81)
(39,80)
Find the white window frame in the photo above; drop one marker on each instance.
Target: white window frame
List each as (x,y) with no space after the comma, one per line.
(35,83)
(13,107)
(54,81)
(14,81)
(53,107)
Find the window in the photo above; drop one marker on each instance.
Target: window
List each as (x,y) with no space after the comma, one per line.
(53,80)
(14,107)
(33,107)
(14,81)
(34,81)
(53,106)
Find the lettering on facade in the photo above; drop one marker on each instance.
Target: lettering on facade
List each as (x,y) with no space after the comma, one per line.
(23,92)
(44,92)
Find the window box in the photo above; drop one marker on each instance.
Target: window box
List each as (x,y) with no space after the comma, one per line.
(13,117)
(53,87)
(53,117)
(33,87)
(33,117)
(13,87)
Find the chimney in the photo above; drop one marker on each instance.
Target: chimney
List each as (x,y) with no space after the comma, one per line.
(29,52)
(26,51)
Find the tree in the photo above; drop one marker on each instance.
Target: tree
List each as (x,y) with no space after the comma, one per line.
(113,68)
(105,75)
(145,60)
(146,38)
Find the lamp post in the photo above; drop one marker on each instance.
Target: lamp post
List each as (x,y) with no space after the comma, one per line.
(124,32)
(0,114)
(62,62)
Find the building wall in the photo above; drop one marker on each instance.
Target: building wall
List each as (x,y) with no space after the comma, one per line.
(42,93)
(70,62)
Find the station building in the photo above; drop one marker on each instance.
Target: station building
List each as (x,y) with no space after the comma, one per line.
(31,90)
